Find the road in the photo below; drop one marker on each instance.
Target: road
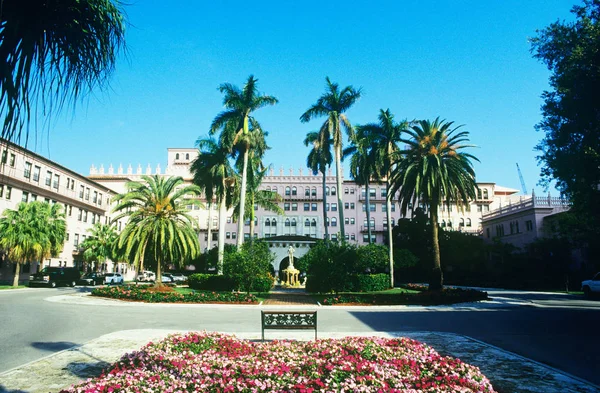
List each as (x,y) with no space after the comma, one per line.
(558,330)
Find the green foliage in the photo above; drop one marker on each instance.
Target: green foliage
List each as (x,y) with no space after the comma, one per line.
(371,282)
(372,258)
(425,298)
(210,282)
(250,266)
(403,258)
(142,294)
(101,244)
(570,150)
(53,52)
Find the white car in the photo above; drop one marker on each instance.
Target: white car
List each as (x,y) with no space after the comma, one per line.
(178,277)
(592,286)
(113,278)
(146,276)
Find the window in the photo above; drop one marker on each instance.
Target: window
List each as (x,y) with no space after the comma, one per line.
(327,191)
(229,220)
(294,222)
(528,225)
(25,197)
(346,205)
(12,160)
(215,236)
(346,190)
(256,206)
(33,197)
(227,235)
(346,221)
(461,223)
(27,171)
(313,223)
(95,198)
(286,207)
(366,238)
(313,207)
(8,192)
(36,173)
(333,190)
(372,192)
(234,235)
(393,207)
(384,192)
(486,208)
(479,208)
(313,192)
(443,224)
(352,191)
(177,156)
(485,193)
(1,190)
(274,222)
(267,222)
(307,192)
(294,207)
(334,207)
(334,222)
(479,196)
(306,207)
(287,222)
(500,230)
(85,214)
(81,190)
(76,240)
(487,232)
(352,205)
(70,211)
(56,181)
(187,156)
(100,199)
(246,236)
(4,156)
(294,191)
(87,193)
(353,236)
(93,218)
(468,222)
(48,178)
(373,207)
(347,237)
(327,207)
(215,222)
(334,236)
(79,215)
(287,191)
(352,220)
(307,222)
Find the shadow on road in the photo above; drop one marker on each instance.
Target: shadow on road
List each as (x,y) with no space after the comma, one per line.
(4,390)
(53,346)
(85,370)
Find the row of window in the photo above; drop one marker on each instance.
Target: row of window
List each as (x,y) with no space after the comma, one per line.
(4,159)
(513,227)
(5,191)
(187,156)
(461,223)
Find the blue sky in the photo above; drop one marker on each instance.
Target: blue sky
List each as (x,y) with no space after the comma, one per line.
(465,61)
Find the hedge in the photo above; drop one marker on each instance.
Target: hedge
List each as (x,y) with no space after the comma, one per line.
(143,294)
(210,282)
(425,298)
(351,283)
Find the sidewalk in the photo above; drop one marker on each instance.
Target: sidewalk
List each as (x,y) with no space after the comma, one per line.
(508,372)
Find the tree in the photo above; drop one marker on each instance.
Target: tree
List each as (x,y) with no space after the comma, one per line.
(319,158)
(363,167)
(158,221)
(100,244)
(235,122)
(386,135)
(33,232)
(434,170)
(53,52)
(248,265)
(333,104)
(215,176)
(570,150)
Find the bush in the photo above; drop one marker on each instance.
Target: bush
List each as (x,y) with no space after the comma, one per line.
(373,258)
(210,282)
(262,284)
(425,298)
(143,294)
(251,264)
(371,282)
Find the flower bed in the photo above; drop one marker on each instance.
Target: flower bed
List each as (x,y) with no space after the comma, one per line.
(424,298)
(211,362)
(143,294)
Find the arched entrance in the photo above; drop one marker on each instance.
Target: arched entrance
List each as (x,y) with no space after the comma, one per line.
(279,246)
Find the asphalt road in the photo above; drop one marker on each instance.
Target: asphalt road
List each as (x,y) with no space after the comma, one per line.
(564,332)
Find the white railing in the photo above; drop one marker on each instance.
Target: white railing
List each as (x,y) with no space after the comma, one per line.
(557,203)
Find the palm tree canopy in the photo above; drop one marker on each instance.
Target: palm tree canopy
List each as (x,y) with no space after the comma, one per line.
(268,200)
(363,157)
(433,168)
(158,220)
(319,157)
(52,52)
(101,244)
(212,170)
(33,232)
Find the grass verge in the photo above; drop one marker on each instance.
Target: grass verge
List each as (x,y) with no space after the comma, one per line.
(402,296)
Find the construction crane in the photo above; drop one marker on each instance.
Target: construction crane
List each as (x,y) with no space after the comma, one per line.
(523,187)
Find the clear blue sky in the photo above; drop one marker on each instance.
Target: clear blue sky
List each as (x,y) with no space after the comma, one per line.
(466,61)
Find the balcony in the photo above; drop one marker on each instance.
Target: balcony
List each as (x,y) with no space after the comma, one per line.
(374,228)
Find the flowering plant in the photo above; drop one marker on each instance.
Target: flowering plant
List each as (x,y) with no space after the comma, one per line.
(203,362)
(143,294)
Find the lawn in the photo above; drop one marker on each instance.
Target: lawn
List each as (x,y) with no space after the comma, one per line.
(11,287)
(260,296)
(214,362)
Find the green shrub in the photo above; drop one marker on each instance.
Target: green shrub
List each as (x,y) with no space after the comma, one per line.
(210,282)
(251,264)
(143,294)
(371,282)
(425,298)
(262,283)
(373,258)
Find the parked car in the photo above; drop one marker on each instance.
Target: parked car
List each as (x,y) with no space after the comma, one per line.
(590,287)
(54,276)
(179,278)
(166,278)
(146,276)
(113,278)
(92,279)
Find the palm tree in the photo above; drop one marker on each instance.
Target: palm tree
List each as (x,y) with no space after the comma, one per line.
(385,137)
(53,52)
(363,166)
(158,221)
(33,232)
(234,123)
(433,170)
(332,104)
(214,174)
(319,158)
(100,245)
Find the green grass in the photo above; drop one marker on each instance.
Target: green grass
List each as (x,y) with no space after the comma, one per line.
(11,287)
(261,296)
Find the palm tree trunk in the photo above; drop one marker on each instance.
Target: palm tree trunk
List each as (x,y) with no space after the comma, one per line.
(388,209)
(436,282)
(368,209)
(240,239)
(209,229)
(17,272)
(325,204)
(221,244)
(252,219)
(338,175)
(158,272)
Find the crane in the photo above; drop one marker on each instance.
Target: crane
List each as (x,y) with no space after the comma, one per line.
(523,187)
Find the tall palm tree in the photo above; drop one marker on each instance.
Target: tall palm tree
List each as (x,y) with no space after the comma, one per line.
(363,166)
(386,135)
(434,170)
(319,158)
(100,244)
(53,52)
(234,123)
(333,104)
(214,174)
(33,232)
(158,221)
